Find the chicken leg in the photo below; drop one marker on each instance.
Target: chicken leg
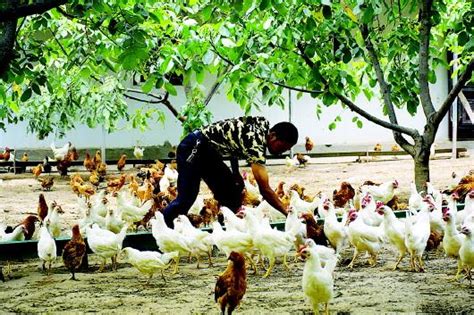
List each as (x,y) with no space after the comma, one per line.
(176,265)
(210,259)
(326,308)
(356,254)
(398,261)
(285,263)
(270,267)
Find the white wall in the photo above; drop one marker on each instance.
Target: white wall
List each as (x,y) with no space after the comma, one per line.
(303,115)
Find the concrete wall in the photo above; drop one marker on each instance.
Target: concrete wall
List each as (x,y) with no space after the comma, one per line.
(303,115)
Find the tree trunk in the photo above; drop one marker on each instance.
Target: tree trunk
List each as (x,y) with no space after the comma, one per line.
(422,169)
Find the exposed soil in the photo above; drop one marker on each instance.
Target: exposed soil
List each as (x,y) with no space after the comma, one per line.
(364,290)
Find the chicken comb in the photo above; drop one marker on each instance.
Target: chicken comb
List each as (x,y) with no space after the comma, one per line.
(379,204)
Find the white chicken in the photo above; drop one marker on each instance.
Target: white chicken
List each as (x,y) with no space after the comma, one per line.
(301,205)
(105,243)
(149,262)
(113,222)
(318,282)
(252,190)
(466,252)
(367,211)
(364,238)
(271,242)
(394,231)
(323,206)
(138,152)
(468,211)
(46,247)
(452,239)
(417,233)
(53,220)
(384,192)
(164,184)
(18,234)
(60,153)
(88,216)
(335,231)
(99,203)
(415,200)
(199,242)
(197,205)
(231,240)
(131,213)
(171,174)
(232,222)
(291,163)
(169,240)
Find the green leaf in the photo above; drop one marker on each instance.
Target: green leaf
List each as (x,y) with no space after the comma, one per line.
(355,118)
(412,106)
(264,4)
(359,123)
(208,57)
(463,38)
(332,126)
(26,95)
(148,86)
(432,77)
(36,88)
(227,42)
(170,88)
(200,76)
(327,13)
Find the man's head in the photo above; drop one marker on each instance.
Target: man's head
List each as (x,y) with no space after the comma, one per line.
(282,137)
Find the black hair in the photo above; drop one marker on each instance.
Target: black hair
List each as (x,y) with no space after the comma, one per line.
(286,131)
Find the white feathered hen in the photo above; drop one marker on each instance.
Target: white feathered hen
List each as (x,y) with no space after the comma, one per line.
(199,242)
(105,244)
(384,192)
(452,240)
(148,262)
(60,153)
(318,281)
(46,247)
(335,231)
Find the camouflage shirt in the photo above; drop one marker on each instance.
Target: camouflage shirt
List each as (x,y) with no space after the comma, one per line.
(244,137)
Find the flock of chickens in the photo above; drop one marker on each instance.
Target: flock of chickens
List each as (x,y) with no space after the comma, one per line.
(368,221)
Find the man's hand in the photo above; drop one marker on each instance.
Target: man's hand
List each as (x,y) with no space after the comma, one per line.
(261,176)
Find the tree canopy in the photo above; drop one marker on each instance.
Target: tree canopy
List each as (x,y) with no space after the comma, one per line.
(78,62)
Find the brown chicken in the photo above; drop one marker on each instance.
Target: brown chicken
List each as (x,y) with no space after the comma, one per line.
(299,189)
(465,186)
(115,185)
(145,192)
(89,163)
(102,170)
(279,190)
(74,154)
(343,195)
(29,226)
(133,185)
(85,190)
(232,284)
(309,144)
(74,251)
(121,162)
(314,230)
(97,158)
(42,208)
(25,157)
(302,159)
(395,148)
(434,241)
(378,147)
(94,179)
(46,183)
(37,170)
(65,163)
(6,154)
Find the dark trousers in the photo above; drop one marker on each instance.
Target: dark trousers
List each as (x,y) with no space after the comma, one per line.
(207,164)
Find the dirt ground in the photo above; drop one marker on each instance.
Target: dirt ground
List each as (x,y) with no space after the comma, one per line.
(364,290)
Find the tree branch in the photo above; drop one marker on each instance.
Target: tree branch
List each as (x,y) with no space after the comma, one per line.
(425,29)
(266,80)
(396,128)
(15,9)
(7,41)
(160,100)
(436,118)
(384,88)
(215,86)
(400,139)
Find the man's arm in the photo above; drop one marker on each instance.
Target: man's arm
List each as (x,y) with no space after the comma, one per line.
(261,176)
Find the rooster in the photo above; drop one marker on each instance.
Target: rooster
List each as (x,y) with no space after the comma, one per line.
(308,144)
(6,154)
(232,284)
(74,251)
